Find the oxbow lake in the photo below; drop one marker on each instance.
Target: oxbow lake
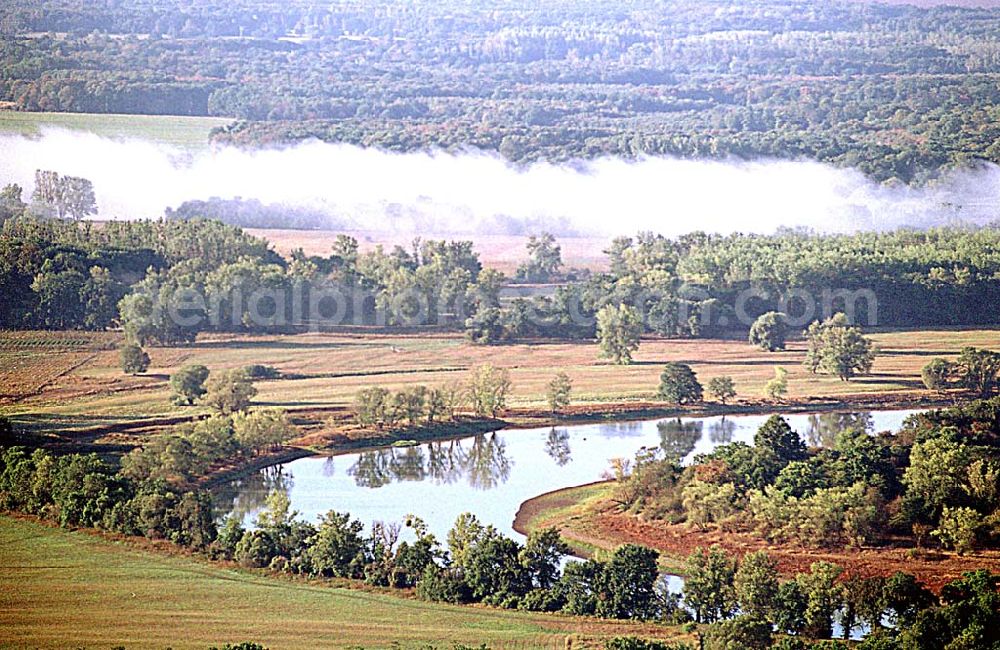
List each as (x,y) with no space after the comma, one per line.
(492,474)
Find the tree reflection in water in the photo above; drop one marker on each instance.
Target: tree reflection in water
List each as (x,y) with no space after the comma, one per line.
(248,493)
(678,438)
(721,432)
(824,427)
(557,446)
(481,460)
(620,429)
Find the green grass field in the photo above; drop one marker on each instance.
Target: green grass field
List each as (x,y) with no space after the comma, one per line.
(61,589)
(184,132)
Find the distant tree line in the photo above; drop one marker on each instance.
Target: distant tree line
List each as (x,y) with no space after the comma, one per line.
(251,213)
(839,82)
(165,281)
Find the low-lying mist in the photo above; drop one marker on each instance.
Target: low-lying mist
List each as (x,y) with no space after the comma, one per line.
(478,193)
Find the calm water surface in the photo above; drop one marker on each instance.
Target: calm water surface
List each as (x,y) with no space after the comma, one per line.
(492,474)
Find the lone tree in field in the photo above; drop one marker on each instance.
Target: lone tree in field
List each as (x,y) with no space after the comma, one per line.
(65,196)
(229,391)
(978,370)
(488,390)
(618,332)
(722,388)
(769,331)
(133,359)
(778,386)
(559,391)
(189,383)
(838,348)
(938,374)
(679,384)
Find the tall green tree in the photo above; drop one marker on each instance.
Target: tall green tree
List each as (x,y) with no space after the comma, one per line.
(59,294)
(188,383)
(708,586)
(722,388)
(769,331)
(558,392)
(838,348)
(756,584)
(544,259)
(978,370)
(824,597)
(542,553)
(937,472)
(618,331)
(65,196)
(134,359)
(488,390)
(338,548)
(627,584)
(229,391)
(938,374)
(679,384)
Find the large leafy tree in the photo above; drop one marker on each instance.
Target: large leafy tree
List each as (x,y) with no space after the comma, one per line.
(838,348)
(229,391)
(59,296)
(627,583)
(488,390)
(338,548)
(778,437)
(188,383)
(756,584)
(823,596)
(937,472)
(541,555)
(769,331)
(978,370)
(65,196)
(133,359)
(708,587)
(679,384)
(618,331)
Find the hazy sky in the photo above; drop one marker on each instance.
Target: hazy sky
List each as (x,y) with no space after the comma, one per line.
(471,193)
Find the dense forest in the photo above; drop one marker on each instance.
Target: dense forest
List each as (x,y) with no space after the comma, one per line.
(896,91)
(165,281)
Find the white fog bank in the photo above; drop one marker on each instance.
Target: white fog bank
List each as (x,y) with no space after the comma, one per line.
(469,193)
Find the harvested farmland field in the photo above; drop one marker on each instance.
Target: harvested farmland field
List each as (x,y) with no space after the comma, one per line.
(75,394)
